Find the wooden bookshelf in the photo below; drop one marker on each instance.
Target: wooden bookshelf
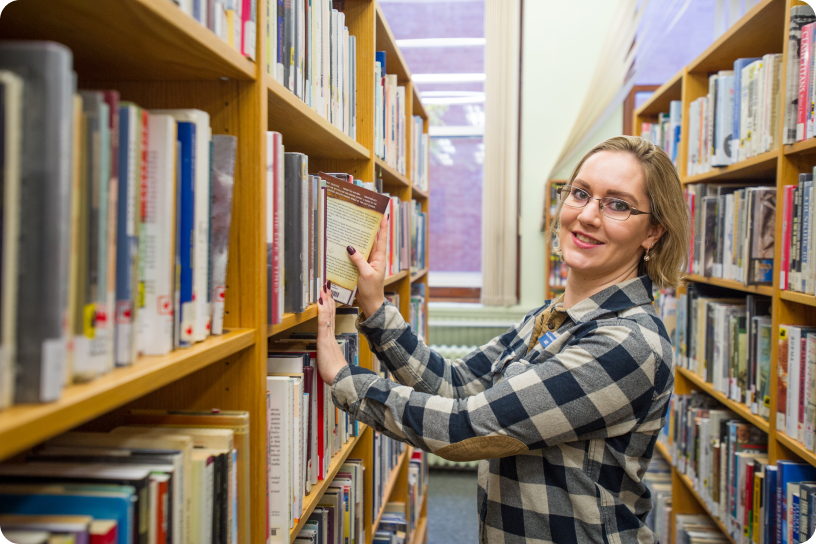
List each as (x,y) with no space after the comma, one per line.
(693,492)
(731,284)
(158,57)
(419,275)
(761,167)
(391,484)
(662,450)
(394,278)
(799,298)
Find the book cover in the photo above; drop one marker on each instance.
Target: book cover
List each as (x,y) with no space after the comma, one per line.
(800,16)
(296,294)
(223,159)
(763,226)
(186,224)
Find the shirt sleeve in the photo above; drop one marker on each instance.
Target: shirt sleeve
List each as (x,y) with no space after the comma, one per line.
(414,364)
(604,383)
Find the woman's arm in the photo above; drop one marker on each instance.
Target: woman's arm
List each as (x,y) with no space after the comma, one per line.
(607,382)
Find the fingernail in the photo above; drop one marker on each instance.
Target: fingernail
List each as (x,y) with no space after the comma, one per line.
(351,250)
(320,300)
(328,285)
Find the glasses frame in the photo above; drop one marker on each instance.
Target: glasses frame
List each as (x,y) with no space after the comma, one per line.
(568,188)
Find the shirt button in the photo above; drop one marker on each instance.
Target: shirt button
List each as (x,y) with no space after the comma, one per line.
(551,326)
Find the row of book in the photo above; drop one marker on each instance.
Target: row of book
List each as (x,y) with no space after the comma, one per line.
(665,133)
(800,91)
(399,520)
(798,262)
(163,477)
(726,460)
(387,452)
(734,231)
(389,116)
(116,223)
(658,481)
(304,220)
(417,315)
(58,529)
(558,272)
(338,518)
(420,155)
(233,21)
(738,117)
(305,428)
(310,52)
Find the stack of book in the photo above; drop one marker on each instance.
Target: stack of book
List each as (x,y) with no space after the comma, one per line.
(233,21)
(387,453)
(389,116)
(665,133)
(311,53)
(734,230)
(727,341)
(798,264)
(305,428)
(164,477)
(736,120)
(420,155)
(338,518)
(116,225)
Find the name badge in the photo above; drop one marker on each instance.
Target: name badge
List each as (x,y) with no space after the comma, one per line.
(546,339)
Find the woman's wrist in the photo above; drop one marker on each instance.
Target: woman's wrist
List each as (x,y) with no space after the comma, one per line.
(370,307)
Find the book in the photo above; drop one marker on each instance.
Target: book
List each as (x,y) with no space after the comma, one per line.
(186,304)
(223,181)
(296,226)
(275,226)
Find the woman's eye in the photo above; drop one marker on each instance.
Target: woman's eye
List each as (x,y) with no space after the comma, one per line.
(620,206)
(578,194)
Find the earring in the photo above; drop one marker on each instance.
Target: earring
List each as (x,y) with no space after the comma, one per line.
(646,257)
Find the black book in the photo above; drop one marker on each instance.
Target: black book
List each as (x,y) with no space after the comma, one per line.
(295,297)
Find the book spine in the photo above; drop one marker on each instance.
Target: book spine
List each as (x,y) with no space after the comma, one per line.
(804,72)
(223,158)
(186,210)
(127,243)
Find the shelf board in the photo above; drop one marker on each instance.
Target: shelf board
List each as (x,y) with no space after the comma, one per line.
(389,174)
(756,34)
(389,486)
(805,147)
(418,276)
(290,320)
(760,167)
(310,501)
(421,530)
(394,278)
(661,99)
(25,425)
(306,131)
(660,448)
(419,107)
(800,298)
(738,408)
(796,447)
(128,40)
(418,194)
(394,61)
(766,290)
(690,486)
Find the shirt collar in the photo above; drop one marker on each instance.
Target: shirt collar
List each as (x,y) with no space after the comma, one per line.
(619,297)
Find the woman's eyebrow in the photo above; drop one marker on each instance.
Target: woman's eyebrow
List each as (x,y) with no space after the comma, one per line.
(612,192)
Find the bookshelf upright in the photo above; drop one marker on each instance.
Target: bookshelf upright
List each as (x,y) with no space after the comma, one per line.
(158,57)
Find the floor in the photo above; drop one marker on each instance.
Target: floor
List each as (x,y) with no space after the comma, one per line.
(452,516)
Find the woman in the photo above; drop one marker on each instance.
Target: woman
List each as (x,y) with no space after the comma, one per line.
(565,407)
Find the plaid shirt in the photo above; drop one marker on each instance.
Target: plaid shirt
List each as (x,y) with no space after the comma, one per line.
(567,424)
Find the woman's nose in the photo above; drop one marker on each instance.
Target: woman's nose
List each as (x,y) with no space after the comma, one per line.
(591,213)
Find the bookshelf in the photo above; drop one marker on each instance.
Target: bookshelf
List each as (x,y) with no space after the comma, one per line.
(763,30)
(158,57)
(551,290)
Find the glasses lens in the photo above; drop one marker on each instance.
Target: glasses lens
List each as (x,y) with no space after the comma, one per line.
(574,197)
(616,209)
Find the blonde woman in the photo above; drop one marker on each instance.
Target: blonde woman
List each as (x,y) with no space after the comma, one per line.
(565,407)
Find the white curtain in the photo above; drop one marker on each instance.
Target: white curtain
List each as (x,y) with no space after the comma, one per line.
(500,190)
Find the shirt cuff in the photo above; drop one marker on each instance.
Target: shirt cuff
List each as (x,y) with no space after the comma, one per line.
(350,387)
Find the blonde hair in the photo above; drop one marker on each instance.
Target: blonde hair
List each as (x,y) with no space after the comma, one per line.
(669,256)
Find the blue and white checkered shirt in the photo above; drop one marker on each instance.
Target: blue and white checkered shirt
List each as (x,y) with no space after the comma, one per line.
(566,426)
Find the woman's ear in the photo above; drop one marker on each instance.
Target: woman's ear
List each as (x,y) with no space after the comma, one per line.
(653,235)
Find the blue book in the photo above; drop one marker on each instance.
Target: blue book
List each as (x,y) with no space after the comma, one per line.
(186,211)
(787,472)
(99,501)
(127,241)
(769,499)
(739,64)
(795,515)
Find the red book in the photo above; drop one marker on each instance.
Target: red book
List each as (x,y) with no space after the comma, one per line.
(103,531)
(748,501)
(161,513)
(804,78)
(787,217)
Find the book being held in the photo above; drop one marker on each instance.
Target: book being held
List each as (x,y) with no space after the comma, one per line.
(353,216)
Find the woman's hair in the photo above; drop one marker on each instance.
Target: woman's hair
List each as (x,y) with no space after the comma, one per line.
(669,257)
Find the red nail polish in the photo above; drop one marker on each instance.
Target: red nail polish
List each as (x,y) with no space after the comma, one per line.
(320,301)
(328,285)
(351,250)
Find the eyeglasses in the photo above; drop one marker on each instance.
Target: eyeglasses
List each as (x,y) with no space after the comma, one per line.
(613,208)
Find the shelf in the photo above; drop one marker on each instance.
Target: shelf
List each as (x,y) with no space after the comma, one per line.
(24,425)
(760,167)
(796,447)
(127,40)
(389,486)
(660,448)
(766,290)
(756,34)
(418,194)
(720,525)
(660,101)
(419,107)
(306,131)
(389,174)
(310,501)
(394,278)
(420,531)
(394,61)
(805,147)
(419,275)
(800,298)
(290,320)
(738,408)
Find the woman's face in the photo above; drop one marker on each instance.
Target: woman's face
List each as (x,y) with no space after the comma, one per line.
(594,245)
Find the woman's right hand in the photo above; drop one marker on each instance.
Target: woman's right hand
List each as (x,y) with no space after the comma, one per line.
(370,290)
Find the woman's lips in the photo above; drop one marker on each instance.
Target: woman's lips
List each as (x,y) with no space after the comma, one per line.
(585,245)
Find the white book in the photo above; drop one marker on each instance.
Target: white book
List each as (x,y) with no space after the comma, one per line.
(204,484)
(155,319)
(326,57)
(280,449)
(725,118)
(296,385)
(759,109)
(754,107)
(201,328)
(693,137)
(346,81)
(12,139)
(810,389)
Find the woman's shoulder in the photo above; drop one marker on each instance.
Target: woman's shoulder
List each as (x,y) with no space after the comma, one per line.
(641,321)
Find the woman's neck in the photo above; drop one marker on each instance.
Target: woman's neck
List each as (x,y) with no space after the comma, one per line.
(582,286)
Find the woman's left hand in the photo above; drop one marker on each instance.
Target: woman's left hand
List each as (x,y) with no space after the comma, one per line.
(330,359)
